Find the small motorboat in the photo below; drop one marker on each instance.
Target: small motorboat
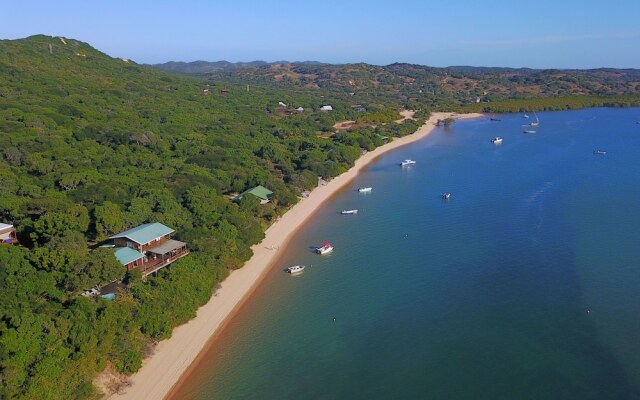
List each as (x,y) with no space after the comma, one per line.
(295,269)
(325,248)
(346,212)
(496,140)
(407,163)
(600,152)
(446,196)
(525,116)
(364,189)
(528,131)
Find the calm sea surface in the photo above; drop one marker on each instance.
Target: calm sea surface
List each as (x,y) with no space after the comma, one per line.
(524,285)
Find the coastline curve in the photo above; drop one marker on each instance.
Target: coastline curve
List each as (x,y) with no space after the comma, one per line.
(174,357)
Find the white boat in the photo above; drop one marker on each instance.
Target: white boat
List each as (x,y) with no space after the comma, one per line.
(529,131)
(364,189)
(537,123)
(325,248)
(349,212)
(295,269)
(406,163)
(496,140)
(525,116)
(446,196)
(600,152)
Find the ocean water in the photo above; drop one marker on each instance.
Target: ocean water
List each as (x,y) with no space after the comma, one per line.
(525,284)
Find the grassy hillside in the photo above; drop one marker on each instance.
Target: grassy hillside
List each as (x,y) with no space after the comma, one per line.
(418,86)
(90,146)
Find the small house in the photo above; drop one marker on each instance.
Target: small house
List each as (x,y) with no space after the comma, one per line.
(7,234)
(148,247)
(261,192)
(299,109)
(326,108)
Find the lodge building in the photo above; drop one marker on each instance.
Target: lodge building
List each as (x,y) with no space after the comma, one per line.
(148,247)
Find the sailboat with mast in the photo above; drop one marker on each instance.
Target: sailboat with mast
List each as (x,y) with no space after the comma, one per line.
(537,121)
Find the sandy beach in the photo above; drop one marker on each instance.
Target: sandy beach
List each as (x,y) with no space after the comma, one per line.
(172,357)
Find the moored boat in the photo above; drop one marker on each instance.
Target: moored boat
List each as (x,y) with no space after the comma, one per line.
(325,248)
(496,140)
(600,152)
(294,269)
(349,212)
(446,196)
(406,163)
(529,131)
(364,189)
(537,121)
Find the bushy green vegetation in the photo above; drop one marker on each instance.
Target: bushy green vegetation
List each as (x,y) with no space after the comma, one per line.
(91,146)
(551,104)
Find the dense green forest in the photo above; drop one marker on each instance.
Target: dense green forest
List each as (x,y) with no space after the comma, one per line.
(92,145)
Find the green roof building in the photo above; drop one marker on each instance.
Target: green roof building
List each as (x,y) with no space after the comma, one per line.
(145,233)
(128,256)
(148,247)
(261,192)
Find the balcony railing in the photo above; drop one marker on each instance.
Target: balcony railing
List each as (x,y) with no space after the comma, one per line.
(150,266)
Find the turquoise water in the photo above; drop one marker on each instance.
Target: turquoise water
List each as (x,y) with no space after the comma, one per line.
(525,284)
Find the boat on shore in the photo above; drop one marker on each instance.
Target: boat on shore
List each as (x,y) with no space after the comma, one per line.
(496,140)
(347,212)
(325,248)
(407,163)
(364,189)
(294,269)
(600,152)
(446,196)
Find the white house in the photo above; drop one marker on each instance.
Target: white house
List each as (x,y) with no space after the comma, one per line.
(299,109)
(326,108)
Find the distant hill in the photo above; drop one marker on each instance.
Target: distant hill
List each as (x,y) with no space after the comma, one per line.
(417,85)
(203,67)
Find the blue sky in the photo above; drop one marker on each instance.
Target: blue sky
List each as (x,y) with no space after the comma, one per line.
(536,34)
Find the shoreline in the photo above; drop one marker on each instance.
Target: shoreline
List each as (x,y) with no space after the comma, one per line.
(173,358)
